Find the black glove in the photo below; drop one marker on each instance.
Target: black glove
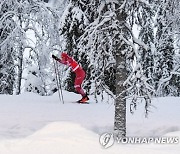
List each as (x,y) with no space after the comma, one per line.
(54,57)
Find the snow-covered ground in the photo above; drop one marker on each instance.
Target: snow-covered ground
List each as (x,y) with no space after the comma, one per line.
(32,124)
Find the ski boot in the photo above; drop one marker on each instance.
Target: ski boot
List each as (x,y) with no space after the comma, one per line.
(84,99)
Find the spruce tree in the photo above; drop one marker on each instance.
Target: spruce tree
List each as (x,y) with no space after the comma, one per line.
(165,48)
(7,26)
(72,27)
(144,21)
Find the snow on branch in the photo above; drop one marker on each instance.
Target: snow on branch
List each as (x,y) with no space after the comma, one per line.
(145,2)
(138,87)
(136,40)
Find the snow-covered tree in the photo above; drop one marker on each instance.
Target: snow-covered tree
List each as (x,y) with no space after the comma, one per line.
(73,24)
(164,46)
(30,31)
(166,21)
(111,46)
(97,42)
(7,26)
(157,23)
(143,22)
(44,26)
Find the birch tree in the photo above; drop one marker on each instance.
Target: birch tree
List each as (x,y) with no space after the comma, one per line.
(30,32)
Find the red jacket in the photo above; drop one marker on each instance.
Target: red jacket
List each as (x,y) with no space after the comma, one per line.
(67,60)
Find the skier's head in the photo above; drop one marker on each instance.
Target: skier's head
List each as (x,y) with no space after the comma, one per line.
(64,56)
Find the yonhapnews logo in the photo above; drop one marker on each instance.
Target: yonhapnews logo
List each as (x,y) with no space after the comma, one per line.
(106,140)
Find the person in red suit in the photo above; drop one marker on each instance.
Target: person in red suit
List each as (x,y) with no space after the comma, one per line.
(78,70)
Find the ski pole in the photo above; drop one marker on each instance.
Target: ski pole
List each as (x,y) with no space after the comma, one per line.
(59,77)
(56,79)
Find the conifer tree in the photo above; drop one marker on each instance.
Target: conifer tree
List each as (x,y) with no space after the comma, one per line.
(165,47)
(7,26)
(72,27)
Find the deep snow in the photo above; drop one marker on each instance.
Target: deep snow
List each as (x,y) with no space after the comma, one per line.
(32,124)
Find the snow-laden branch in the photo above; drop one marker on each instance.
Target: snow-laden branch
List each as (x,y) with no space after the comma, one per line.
(5,16)
(136,40)
(8,38)
(145,2)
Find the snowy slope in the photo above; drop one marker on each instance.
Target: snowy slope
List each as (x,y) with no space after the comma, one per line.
(32,124)
(70,138)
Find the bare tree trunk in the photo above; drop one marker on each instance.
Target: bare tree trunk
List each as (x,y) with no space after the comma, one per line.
(19,76)
(120,102)
(121,76)
(20,63)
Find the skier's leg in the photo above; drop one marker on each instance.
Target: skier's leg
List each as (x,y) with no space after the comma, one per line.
(80,90)
(78,81)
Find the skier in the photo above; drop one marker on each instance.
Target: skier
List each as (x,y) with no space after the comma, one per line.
(78,70)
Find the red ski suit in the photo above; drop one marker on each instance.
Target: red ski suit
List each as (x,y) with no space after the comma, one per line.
(78,70)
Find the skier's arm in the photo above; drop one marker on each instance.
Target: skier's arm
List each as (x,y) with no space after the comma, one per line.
(59,60)
(62,62)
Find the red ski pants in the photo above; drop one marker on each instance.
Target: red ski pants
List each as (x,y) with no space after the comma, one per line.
(80,75)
